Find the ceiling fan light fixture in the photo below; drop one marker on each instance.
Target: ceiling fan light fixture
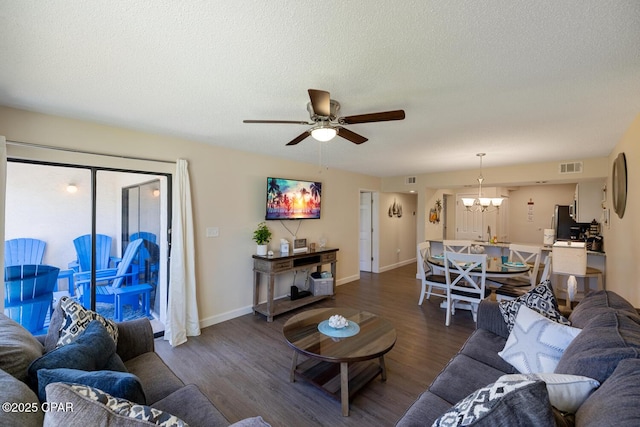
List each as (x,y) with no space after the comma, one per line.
(323,133)
(325,122)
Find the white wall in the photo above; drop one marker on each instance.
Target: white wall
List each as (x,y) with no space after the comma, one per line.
(39,206)
(434,230)
(228,192)
(622,238)
(397,234)
(544,199)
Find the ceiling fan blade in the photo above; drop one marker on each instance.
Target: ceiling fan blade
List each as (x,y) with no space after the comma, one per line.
(294,122)
(351,136)
(373,117)
(320,101)
(299,138)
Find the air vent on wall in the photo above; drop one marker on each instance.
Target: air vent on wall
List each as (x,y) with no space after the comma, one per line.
(571,167)
(410,180)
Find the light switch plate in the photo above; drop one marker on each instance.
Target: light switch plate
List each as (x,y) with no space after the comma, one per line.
(213,232)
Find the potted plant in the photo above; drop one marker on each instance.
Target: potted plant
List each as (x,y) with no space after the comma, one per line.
(262,236)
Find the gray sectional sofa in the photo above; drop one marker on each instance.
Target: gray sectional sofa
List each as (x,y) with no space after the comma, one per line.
(607,349)
(163,390)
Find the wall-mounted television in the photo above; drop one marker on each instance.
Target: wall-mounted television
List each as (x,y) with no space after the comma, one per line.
(293,199)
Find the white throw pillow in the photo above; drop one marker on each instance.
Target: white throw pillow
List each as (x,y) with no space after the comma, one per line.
(535,344)
(566,392)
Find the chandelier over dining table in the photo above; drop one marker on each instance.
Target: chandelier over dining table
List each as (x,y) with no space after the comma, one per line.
(481,203)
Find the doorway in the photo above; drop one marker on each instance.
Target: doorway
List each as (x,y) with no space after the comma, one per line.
(368,231)
(448,217)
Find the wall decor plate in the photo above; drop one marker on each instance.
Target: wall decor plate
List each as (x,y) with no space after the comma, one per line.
(348,331)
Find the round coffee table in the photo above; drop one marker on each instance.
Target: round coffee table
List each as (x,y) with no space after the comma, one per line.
(329,357)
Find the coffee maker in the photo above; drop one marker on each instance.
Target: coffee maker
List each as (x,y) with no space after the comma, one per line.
(579,231)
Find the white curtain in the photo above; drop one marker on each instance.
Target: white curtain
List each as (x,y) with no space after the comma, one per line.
(3,184)
(182,309)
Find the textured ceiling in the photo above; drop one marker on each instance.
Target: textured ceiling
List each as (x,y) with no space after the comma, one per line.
(523,81)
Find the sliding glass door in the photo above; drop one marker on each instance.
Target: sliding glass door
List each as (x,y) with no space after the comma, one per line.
(71,206)
(142,219)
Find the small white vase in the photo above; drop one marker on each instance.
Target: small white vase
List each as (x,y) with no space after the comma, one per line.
(262,250)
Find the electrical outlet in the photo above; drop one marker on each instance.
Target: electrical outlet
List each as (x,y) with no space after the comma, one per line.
(213,232)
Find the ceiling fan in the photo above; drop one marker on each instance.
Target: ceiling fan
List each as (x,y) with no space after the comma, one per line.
(323,112)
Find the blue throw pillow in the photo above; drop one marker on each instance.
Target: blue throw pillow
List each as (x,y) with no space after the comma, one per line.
(118,384)
(94,350)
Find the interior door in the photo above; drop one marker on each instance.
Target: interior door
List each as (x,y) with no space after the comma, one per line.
(469,224)
(366,228)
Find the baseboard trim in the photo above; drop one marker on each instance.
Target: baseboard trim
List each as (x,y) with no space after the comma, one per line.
(219,318)
(397,264)
(349,279)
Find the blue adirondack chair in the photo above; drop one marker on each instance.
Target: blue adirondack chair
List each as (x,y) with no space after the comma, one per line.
(118,286)
(23,251)
(83,251)
(28,294)
(144,235)
(149,257)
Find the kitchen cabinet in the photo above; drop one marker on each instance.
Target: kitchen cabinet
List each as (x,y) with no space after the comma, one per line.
(588,201)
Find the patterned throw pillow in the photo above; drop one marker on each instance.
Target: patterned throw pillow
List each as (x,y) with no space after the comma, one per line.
(536,343)
(129,409)
(540,299)
(76,320)
(505,403)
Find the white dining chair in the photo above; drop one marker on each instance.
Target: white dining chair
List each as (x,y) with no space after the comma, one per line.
(430,278)
(525,254)
(459,246)
(505,293)
(466,276)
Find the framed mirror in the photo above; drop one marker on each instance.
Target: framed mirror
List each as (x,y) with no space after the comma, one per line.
(619,184)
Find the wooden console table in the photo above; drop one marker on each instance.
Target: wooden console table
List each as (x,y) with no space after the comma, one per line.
(272,266)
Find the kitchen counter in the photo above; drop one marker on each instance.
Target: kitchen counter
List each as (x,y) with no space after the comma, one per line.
(505,245)
(595,259)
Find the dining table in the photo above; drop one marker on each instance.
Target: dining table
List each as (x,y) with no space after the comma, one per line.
(495,267)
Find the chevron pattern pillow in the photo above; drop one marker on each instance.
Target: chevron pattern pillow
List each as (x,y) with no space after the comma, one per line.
(76,320)
(540,299)
(506,403)
(129,409)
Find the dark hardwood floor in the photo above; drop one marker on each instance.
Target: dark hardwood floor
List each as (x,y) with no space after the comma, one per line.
(243,364)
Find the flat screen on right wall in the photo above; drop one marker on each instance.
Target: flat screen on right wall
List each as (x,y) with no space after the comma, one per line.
(293,199)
